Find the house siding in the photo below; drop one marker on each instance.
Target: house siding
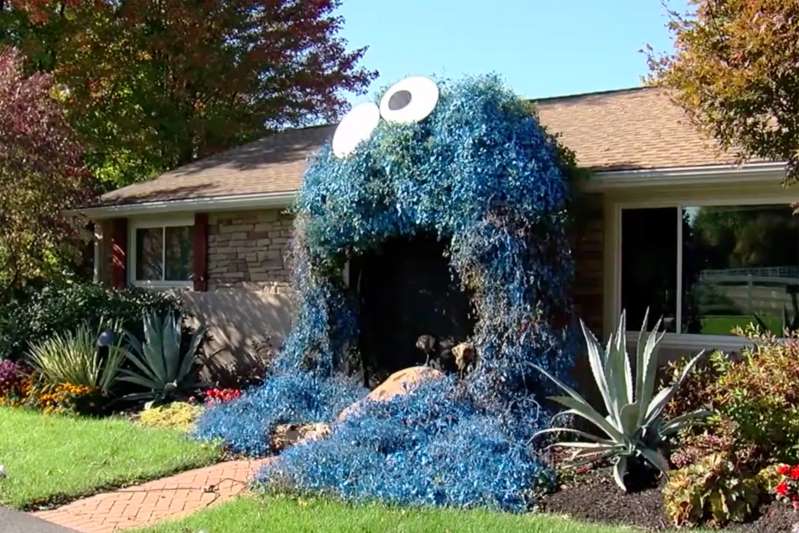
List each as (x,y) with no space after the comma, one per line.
(588,237)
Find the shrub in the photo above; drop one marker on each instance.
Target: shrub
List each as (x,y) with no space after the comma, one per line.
(760,393)
(300,398)
(160,365)
(634,428)
(12,376)
(74,358)
(39,313)
(435,446)
(710,490)
(176,415)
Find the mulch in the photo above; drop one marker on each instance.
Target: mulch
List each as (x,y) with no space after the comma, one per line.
(597,499)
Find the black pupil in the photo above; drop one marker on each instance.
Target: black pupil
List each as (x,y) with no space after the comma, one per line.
(399,100)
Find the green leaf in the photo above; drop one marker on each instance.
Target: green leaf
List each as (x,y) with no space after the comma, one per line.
(619,471)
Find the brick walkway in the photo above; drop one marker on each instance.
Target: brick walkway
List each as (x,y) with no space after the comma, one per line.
(151,502)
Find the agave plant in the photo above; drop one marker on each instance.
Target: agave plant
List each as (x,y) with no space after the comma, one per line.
(73,357)
(158,363)
(634,428)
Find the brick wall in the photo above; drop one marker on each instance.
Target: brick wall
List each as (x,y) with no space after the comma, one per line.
(249,250)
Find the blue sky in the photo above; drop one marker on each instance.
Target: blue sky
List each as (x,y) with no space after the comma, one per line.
(539,47)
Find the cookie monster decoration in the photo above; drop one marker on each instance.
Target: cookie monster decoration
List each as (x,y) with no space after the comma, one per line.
(468,163)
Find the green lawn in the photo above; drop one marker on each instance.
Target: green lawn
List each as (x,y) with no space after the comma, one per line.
(282,513)
(51,458)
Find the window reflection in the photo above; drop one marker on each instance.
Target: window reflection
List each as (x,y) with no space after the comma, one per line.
(149,250)
(649,265)
(740,265)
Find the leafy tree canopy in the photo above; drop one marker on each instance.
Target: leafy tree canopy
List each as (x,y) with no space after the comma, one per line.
(152,84)
(41,176)
(735,71)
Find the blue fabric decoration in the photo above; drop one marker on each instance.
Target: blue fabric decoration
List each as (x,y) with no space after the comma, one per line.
(483,176)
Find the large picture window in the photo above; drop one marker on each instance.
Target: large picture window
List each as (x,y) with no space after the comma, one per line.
(712,268)
(163,255)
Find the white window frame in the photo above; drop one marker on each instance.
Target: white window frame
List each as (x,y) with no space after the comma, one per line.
(149,223)
(681,341)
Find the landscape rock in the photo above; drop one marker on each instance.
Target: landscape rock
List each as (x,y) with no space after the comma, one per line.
(399,383)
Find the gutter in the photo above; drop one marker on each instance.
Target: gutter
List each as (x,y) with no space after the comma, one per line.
(682,176)
(235,202)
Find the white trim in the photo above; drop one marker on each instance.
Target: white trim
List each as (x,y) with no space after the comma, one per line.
(191,205)
(682,341)
(707,175)
(178,220)
(690,342)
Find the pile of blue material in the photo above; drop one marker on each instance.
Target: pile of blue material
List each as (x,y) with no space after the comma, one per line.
(483,176)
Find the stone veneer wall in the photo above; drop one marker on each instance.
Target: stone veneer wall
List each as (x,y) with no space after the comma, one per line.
(249,250)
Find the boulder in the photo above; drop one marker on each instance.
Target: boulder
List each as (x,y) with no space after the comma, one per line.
(401,382)
(285,435)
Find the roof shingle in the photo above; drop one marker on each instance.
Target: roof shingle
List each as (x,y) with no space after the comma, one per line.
(616,130)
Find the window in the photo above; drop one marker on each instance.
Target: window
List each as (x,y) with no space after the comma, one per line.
(710,269)
(162,254)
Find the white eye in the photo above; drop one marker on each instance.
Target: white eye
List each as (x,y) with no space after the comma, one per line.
(409,100)
(356,126)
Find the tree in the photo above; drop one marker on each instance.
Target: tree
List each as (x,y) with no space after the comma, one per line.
(153,84)
(734,69)
(41,176)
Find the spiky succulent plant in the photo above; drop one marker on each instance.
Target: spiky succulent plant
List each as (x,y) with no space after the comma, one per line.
(633,428)
(158,363)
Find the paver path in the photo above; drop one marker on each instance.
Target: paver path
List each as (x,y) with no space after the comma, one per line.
(148,503)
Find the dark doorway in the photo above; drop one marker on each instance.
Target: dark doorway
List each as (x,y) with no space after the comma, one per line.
(406,290)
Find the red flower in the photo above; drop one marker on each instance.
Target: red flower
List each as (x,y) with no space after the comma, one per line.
(783,470)
(781,489)
(795,473)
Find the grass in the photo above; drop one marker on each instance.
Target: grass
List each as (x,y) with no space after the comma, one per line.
(724,324)
(283,513)
(53,459)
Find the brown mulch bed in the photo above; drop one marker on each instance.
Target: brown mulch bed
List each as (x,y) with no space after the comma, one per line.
(599,500)
(596,498)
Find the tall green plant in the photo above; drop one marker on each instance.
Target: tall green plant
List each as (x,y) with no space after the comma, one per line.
(634,428)
(73,357)
(159,365)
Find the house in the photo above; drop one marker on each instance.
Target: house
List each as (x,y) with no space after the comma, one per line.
(667,220)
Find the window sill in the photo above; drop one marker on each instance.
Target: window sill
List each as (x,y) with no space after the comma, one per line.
(694,342)
(163,285)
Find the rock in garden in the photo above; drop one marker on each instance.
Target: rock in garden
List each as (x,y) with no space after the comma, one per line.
(401,382)
(285,435)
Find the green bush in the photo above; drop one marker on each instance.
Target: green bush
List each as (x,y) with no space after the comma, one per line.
(760,394)
(711,491)
(39,313)
(72,357)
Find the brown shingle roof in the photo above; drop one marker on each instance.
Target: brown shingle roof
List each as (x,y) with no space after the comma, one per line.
(616,130)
